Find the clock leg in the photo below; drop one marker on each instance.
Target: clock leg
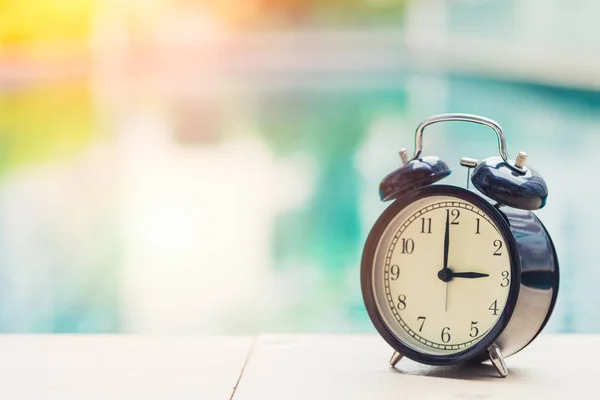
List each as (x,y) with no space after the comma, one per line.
(497,360)
(395,358)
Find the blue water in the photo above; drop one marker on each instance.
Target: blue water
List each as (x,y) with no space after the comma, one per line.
(246,209)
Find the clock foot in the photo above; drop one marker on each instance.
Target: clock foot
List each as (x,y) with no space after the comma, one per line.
(396,357)
(497,360)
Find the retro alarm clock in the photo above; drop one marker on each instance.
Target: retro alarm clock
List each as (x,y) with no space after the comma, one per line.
(451,274)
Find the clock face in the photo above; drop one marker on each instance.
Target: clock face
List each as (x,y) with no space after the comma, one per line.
(442,275)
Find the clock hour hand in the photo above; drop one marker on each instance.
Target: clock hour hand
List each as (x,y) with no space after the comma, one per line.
(469,275)
(446,275)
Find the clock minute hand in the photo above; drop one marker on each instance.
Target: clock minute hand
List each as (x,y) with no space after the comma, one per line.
(446,240)
(446,246)
(469,275)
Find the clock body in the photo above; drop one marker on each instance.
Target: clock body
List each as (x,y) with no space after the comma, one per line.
(445,275)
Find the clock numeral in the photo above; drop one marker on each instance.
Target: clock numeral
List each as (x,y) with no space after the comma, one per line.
(455,213)
(477,231)
(395,271)
(498,246)
(422,319)
(474,329)
(446,334)
(408,246)
(494,307)
(425,225)
(505,280)
(401,302)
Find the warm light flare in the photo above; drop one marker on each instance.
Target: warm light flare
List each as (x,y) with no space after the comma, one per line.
(45,20)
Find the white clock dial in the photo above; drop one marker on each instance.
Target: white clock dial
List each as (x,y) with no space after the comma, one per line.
(434,308)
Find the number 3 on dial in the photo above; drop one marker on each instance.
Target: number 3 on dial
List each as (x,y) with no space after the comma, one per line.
(505,280)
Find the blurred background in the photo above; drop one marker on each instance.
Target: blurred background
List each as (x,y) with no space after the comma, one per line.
(212,166)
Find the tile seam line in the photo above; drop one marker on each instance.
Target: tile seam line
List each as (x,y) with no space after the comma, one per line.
(248,356)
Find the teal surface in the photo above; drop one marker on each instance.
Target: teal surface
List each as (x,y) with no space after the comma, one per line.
(259,199)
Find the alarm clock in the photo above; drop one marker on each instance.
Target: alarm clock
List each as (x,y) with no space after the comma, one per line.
(452,275)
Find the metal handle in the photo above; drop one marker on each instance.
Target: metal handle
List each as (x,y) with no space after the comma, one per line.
(465,118)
